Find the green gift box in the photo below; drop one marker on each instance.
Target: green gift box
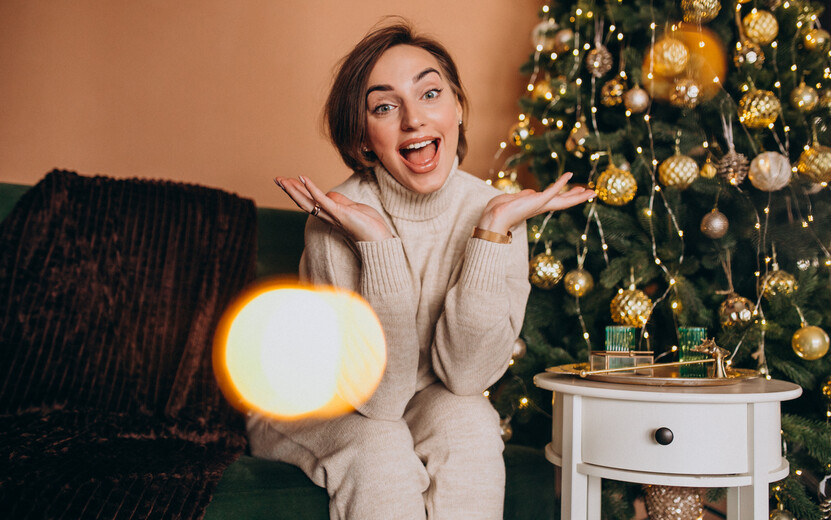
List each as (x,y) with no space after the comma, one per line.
(688,338)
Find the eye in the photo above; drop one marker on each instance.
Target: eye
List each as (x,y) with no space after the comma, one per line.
(432,93)
(382,109)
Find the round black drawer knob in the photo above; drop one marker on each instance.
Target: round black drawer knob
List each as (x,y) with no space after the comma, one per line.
(663,436)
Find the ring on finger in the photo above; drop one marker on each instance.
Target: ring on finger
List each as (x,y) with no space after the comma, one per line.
(315,210)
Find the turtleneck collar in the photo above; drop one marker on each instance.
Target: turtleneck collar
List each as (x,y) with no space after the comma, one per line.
(400,202)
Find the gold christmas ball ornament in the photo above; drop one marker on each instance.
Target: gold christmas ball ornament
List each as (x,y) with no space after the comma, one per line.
(714,224)
(575,143)
(611,94)
(578,282)
(759,108)
(520,349)
(736,311)
(636,99)
(817,40)
(686,93)
(810,342)
(826,388)
(631,307)
(700,11)
(804,98)
(778,282)
(761,26)
(769,171)
(670,56)
(563,41)
(616,186)
(748,53)
(678,170)
(545,270)
(521,131)
(781,514)
(599,61)
(708,169)
(673,502)
(733,167)
(542,90)
(815,163)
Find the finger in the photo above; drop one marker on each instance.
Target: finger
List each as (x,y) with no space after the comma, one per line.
(329,205)
(299,194)
(558,185)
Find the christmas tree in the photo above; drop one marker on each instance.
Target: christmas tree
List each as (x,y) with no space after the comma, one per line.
(704,128)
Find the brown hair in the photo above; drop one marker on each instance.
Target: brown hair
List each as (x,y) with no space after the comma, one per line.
(345,112)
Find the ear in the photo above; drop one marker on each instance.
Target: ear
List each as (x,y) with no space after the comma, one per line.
(459,112)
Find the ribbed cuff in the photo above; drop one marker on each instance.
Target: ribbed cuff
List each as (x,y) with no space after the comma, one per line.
(484,267)
(384,267)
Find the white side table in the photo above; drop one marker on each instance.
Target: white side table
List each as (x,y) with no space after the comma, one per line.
(709,436)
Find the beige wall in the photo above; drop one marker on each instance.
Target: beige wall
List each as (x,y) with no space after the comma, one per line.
(222,93)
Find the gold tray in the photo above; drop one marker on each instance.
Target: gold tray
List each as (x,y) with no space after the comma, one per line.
(663,376)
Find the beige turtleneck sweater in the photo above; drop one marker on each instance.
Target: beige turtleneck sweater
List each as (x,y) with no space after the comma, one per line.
(451,306)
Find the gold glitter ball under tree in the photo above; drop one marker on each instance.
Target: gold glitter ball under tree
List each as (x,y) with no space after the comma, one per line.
(545,271)
(631,307)
(616,186)
(673,502)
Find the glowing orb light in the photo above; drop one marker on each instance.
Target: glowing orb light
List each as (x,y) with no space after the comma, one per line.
(292,351)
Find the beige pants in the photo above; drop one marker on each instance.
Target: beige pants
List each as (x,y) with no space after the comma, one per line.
(443,459)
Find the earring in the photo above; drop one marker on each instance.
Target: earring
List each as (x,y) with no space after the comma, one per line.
(460,121)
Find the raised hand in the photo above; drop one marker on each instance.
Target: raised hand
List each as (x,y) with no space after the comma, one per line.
(510,209)
(361,222)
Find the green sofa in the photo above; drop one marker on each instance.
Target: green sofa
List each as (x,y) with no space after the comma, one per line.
(254,489)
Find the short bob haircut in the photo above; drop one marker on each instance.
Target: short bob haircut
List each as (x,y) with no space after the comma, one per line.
(345,112)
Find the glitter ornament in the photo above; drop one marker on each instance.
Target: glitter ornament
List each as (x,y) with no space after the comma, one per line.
(542,90)
(578,282)
(700,11)
(521,131)
(507,185)
(759,108)
(708,169)
(777,283)
(714,224)
(761,26)
(670,56)
(678,170)
(577,138)
(563,41)
(636,99)
(631,307)
(545,270)
(673,502)
(611,94)
(810,342)
(815,163)
(616,186)
(804,98)
(686,93)
(748,53)
(817,40)
(520,348)
(736,311)
(733,167)
(599,61)
(769,171)
(826,388)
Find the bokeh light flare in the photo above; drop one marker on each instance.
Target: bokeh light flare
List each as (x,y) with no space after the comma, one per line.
(293,351)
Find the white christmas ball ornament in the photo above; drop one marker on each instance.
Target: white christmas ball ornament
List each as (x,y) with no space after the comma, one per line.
(770,171)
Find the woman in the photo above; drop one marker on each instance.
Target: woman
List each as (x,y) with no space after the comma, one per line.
(398,232)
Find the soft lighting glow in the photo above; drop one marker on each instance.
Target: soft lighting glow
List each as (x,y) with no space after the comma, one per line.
(290,351)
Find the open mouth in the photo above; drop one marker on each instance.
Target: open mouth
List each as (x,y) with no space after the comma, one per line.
(420,153)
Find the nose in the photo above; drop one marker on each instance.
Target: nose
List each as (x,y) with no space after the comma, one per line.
(411,117)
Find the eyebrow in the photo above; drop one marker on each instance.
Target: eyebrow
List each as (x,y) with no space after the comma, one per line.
(418,77)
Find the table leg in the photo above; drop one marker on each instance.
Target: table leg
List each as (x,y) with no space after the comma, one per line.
(593,499)
(575,488)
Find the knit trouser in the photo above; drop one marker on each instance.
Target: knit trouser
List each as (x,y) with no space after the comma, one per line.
(443,459)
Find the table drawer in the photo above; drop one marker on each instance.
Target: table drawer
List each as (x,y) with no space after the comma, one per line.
(706,438)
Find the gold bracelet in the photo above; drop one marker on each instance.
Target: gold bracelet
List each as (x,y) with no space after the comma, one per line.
(491,236)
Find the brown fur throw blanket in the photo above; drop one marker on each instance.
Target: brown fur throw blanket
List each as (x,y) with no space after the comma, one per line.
(110,292)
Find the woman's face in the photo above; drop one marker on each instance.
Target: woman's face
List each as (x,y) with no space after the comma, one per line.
(412,118)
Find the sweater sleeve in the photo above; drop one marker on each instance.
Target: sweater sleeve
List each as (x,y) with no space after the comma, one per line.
(378,272)
(482,315)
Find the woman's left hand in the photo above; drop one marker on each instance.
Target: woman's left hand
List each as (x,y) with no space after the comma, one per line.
(508,210)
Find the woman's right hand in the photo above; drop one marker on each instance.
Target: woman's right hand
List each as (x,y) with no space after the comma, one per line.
(361,222)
